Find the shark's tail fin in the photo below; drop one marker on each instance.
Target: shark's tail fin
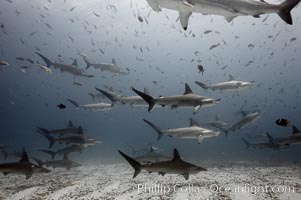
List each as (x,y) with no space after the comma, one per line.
(49,138)
(202,85)
(73,102)
(87,62)
(246,143)
(149,99)
(46,60)
(135,164)
(110,95)
(51,153)
(285,10)
(156,128)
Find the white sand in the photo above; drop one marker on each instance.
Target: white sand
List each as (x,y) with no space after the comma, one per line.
(115,182)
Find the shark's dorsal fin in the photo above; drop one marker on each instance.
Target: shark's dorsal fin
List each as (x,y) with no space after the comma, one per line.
(184,18)
(230,18)
(187,89)
(113,61)
(271,139)
(295,130)
(75,63)
(176,155)
(70,124)
(65,156)
(80,130)
(193,122)
(231,78)
(24,157)
(244,113)
(146,91)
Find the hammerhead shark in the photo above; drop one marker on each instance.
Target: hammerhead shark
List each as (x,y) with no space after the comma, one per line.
(174,166)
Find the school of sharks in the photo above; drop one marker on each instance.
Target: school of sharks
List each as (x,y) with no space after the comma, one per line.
(63,141)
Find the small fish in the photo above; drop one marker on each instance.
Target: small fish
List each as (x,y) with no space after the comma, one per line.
(3,62)
(214,46)
(201,69)
(19,58)
(61,106)
(46,69)
(140,19)
(96,14)
(283,122)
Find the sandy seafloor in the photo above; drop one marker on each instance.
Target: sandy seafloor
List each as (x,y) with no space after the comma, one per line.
(114,181)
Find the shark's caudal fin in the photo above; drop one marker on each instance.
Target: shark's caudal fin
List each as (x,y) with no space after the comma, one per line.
(285,10)
(246,143)
(49,138)
(135,164)
(88,64)
(149,99)
(51,153)
(202,85)
(73,102)
(46,60)
(110,95)
(156,128)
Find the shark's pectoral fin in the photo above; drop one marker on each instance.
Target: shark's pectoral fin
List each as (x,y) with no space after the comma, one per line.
(188,3)
(200,139)
(162,173)
(256,16)
(28,175)
(196,109)
(184,18)
(186,176)
(229,19)
(4,173)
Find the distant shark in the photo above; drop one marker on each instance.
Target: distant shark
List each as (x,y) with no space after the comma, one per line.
(229,85)
(247,119)
(131,100)
(194,131)
(227,8)
(63,163)
(264,145)
(70,130)
(151,156)
(188,99)
(174,166)
(110,67)
(71,69)
(66,150)
(294,138)
(92,106)
(24,166)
